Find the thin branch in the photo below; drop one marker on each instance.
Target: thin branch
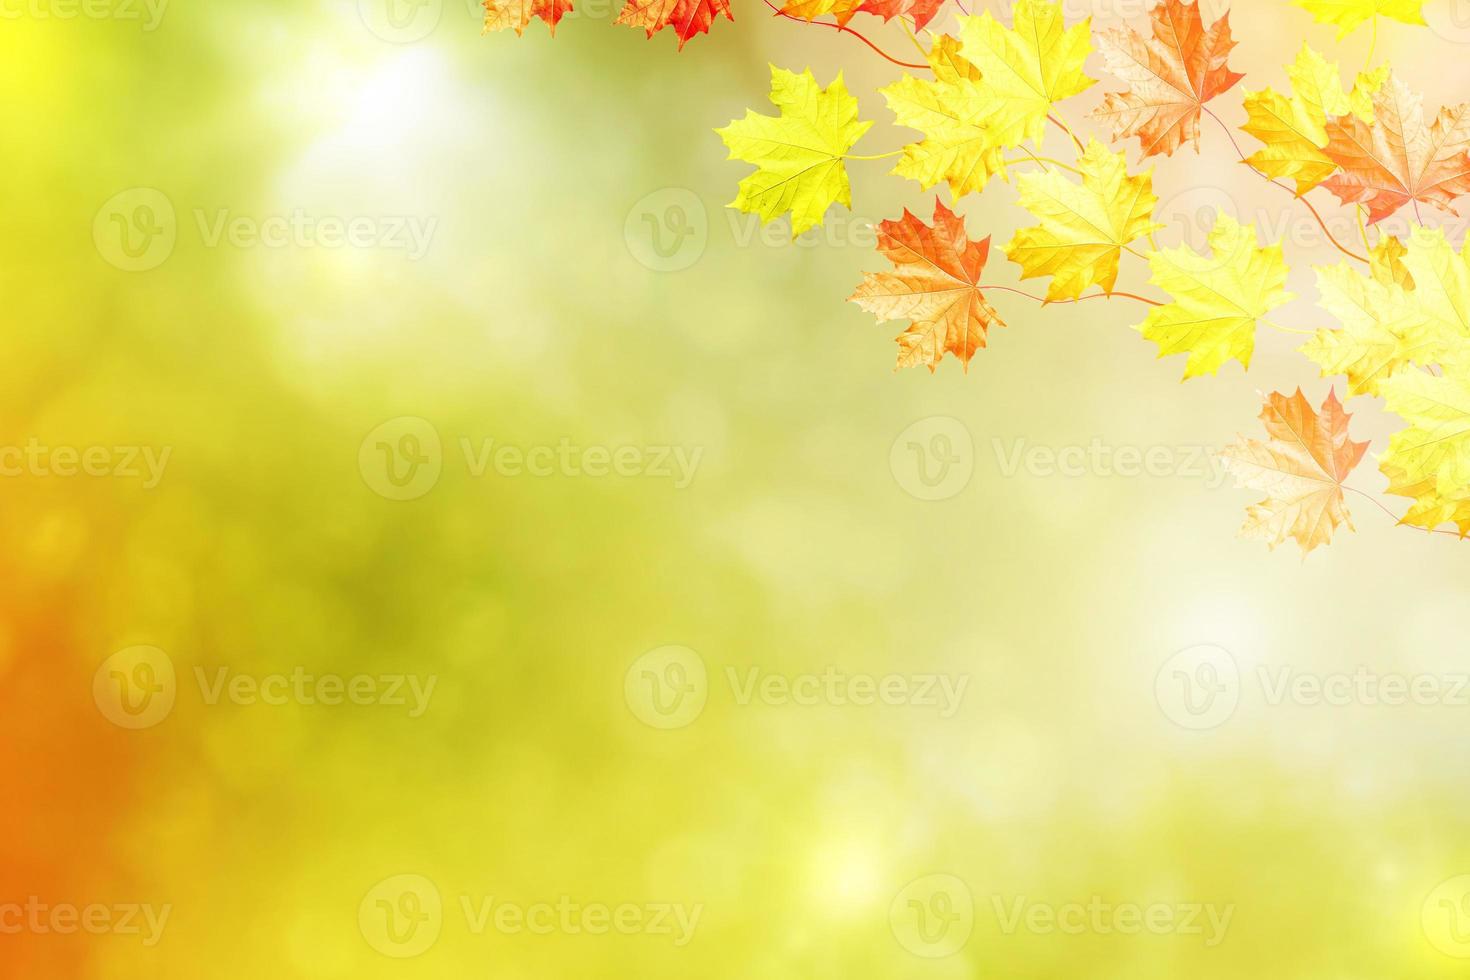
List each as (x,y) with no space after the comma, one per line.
(1044,301)
(1327,231)
(1399,520)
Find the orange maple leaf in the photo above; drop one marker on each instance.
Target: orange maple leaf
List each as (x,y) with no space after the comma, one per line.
(1399,160)
(935,285)
(686,17)
(1301,467)
(1171,76)
(516,14)
(922,11)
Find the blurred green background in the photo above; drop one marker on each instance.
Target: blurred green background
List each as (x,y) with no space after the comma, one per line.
(582,284)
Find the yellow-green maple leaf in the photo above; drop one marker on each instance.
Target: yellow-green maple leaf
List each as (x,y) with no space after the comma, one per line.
(799,154)
(1217,298)
(1430,460)
(1028,68)
(1381,332)
(1414,309)
(1347,15)
(959,146)
(1083,226)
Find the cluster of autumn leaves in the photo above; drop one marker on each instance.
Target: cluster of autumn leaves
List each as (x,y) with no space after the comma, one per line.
(1403,309)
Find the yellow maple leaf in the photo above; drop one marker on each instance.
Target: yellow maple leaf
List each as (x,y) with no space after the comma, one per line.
(1386,262)
(1347,15)
(1028,68)
(842,10)
(1085,226)
(1295,129)
(959,147)
(1415,309)
(799,154)
(1430,459)
(1300,467)
(1381,331)
(1217,298)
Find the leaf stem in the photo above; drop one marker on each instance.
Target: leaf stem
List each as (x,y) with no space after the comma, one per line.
(1044,161)
(874,156)
(1399,521)
(1272,323)
(917,43)
(845,30)
(1327,231)
(1068,130)
(1043,300)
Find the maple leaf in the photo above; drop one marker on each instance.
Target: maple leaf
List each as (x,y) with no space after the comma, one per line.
(1171,76)
(686,17)
(1085,226)
(842,10)
(1295,129)
(1379,335)
(935,285)
(1397,159)
(1300,467)
(1217,298)
(1348,14)
(798,154)
(516,14)
(1430,459)
(1027,69)
(922,11)
(1415,309)
(959,147)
